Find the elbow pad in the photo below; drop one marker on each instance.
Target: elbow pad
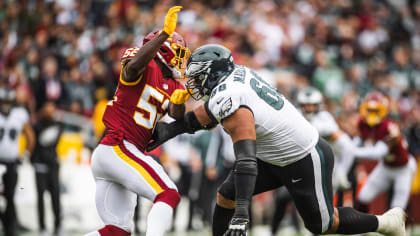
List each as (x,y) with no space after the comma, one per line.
(246,160)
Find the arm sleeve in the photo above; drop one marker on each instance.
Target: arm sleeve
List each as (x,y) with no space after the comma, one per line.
(347,147)
(375,152)
(325,124)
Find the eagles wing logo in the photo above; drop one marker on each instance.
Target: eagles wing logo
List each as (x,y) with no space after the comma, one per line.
(225,108)
(196,68)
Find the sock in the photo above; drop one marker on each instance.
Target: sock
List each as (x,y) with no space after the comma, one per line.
(111,230)
(159,219)
(354,222)
(221,219)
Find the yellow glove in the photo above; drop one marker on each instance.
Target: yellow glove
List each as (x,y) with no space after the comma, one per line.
(170,20)
(179,96)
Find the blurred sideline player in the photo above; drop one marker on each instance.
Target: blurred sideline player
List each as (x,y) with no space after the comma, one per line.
(14,120)
(310,101)
(147,89)
(274,146)
(381,140)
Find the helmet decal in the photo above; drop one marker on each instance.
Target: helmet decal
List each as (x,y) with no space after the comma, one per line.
(196,68)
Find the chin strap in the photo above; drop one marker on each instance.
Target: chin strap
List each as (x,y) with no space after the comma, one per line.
(176,74)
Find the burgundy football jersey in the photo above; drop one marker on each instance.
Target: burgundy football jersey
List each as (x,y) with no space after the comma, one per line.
(389,132)
(138,105)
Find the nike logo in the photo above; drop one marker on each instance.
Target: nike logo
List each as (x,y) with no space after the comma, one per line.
(296,180)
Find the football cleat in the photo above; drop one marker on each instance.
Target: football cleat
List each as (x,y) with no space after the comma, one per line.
(392,222)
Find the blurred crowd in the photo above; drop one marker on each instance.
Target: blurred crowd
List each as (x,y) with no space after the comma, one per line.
(68,51)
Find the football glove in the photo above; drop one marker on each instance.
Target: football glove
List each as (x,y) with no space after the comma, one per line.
(179,96)
(163,132)
(237,227)
(171,19)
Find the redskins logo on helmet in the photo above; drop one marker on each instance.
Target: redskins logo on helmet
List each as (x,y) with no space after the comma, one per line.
(173,53)
(374,108)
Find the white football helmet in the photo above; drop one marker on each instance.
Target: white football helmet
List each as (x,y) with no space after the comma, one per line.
(309,96)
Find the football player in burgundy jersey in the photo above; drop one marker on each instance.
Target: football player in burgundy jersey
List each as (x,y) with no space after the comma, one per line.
(147,89)
(382,140)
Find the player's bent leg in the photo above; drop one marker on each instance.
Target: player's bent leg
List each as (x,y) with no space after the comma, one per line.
(377,182)
(160,216)
(402,185)
(225,206)
(94,233)
(222,215)
(159,219)
(115,205)
(349,221)
(147,178)
(111,230)
(312,189)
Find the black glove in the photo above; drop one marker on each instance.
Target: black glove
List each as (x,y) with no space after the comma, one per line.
(237,227)
(163,132)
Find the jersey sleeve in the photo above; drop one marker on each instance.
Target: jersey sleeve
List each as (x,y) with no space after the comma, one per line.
(224,102)
(393,132)
(128,54)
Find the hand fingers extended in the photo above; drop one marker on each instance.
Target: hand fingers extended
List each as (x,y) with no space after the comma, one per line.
(174,10)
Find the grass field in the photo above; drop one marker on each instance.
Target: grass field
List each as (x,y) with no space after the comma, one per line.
(257,231)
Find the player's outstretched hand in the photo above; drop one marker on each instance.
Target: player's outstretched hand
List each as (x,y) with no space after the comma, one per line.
(237,227)
(171,19)
(179,96)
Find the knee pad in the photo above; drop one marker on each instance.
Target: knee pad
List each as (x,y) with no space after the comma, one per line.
(111,230)
(227,190)
(169,196)
(314,228)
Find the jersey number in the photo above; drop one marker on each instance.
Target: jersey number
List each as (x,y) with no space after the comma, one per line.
(266,92)
(145,105)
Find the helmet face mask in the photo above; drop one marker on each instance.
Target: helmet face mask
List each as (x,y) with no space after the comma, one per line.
(197,88)
(208,66)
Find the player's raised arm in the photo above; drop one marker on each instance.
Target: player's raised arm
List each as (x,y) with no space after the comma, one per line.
(135,67)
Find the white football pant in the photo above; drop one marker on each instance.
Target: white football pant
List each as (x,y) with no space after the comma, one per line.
(384,177)
(121,173)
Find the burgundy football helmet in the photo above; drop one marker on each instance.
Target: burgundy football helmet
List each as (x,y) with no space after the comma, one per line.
(173,52)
